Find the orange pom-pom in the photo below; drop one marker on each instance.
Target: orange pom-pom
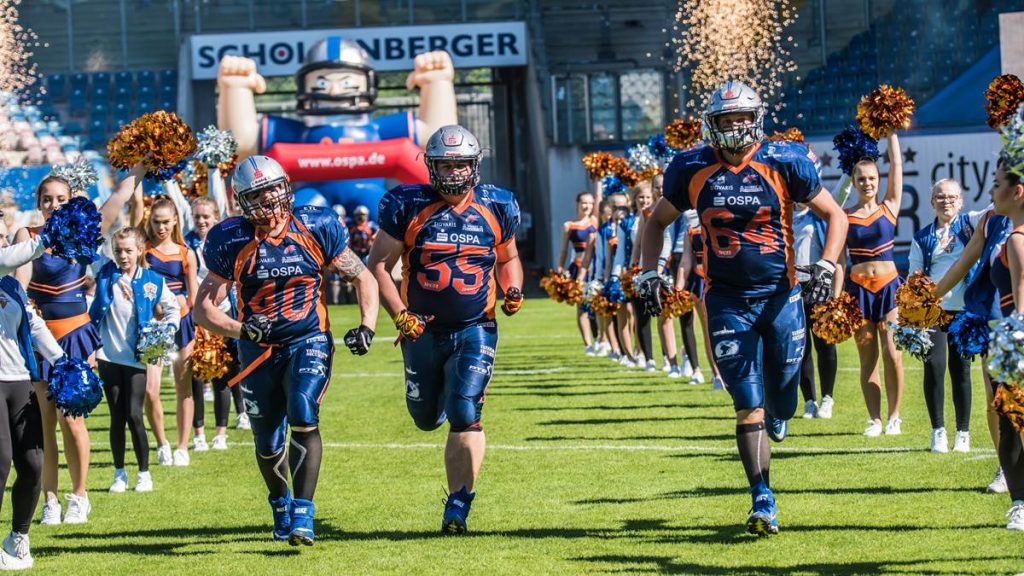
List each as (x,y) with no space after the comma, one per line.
(598,164)
(884,110)
(210,357)
(226,168)
(790,135)
(675,303)
(561,288)
(602,307)
(626,279)
(1004,94)
(160,140)
(836,320)
(1009,401)
(917,304)
(683,134)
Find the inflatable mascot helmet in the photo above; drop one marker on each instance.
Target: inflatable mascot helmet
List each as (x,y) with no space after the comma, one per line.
(336,78)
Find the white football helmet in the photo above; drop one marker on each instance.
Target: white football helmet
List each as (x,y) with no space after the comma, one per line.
(734,96)
(251,180)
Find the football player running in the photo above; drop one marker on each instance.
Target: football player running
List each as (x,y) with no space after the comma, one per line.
(277,256)
(743,191)
(451,235)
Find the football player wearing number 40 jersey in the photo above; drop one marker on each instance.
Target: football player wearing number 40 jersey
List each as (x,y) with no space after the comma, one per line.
(743,191)
(451,235)
(277,257)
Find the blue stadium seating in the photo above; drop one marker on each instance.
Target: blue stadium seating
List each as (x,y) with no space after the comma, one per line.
(57,86)
(77,102)
(146,78)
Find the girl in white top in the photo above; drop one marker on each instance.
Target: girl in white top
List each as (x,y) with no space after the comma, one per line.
(119,312)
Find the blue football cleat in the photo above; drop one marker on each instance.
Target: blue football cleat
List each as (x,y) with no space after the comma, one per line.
(762,520)
(777,428)
(456,509)
(281,507)
(302,522)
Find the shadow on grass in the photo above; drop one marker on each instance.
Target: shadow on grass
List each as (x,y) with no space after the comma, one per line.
(646,437)
(606,408)
(603,421)
(707,491)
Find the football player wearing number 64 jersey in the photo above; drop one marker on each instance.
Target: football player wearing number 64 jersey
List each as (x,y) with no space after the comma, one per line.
(743,190)
(451,236)
(277,257)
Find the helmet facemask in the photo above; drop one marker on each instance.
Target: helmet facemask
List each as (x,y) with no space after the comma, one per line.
(739,137)
(454,184)
(264,208)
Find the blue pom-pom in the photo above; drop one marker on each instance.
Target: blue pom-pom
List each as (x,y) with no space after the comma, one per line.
(164,174)
(916,341)
(660,148)
(1006,350)
(613,291)
(156,342)
(854,145)
(73,231)
(74,387)
(612,185)
(969,333)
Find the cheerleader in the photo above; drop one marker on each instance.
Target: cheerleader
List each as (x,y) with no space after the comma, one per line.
(620,251)
(607,341)
(205,215)
(128,296)
(167,255)
(580,234)
(690,276)
(872,281)
(57,288)
(666,331)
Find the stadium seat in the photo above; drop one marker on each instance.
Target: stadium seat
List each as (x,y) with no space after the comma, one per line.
(57,86)
(97,132)
(77,105)
(79,81)
(122,95)
(100,93)
(168,77)
(144,106)
(123,78)
(101,80)
(122,114)
(146,78)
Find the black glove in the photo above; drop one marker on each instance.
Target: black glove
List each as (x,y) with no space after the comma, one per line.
(256,328)
(358,340)
(648,289)
(513,301)
(818,289)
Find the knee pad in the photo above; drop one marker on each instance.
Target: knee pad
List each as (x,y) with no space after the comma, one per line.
(426,420)
(464,415)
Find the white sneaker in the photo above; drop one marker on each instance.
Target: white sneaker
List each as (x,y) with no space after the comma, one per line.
(144,482)
(120,481)
(998,483)
(614,357)
(665,366)
(589,350)
(51,513)
(687,368)
(16,554)
(810,409)
(940,443)
(163,456)
(892,427)
(199,444)
(603,349)
(181,457)
(874,429)
(1016,516)
(675,373)
(627,362)
(962,441)
(697,377)
(78,509)
(825,409)
(718,384)
(651,366)
(242,422)
(220,442)
(208,393)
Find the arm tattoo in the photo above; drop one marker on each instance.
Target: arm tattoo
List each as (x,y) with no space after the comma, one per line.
(349,265)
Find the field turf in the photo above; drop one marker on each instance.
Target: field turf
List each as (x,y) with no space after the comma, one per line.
(591,469)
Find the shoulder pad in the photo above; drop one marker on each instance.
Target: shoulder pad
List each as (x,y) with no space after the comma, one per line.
(495,194)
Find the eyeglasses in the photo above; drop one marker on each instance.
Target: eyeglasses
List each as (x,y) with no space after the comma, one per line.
(946,199)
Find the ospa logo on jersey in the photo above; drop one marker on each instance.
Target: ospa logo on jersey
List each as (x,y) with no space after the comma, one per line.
(279,272)
(736,200)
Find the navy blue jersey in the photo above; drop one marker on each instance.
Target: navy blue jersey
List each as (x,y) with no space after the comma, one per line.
(448,263)
(280,277)
(745,213)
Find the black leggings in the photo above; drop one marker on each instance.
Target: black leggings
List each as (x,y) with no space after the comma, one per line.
(827,361)
(125,387)
(643,329)
(223,395)
(935,379)
(1011,458)
(21,441)
(689,338)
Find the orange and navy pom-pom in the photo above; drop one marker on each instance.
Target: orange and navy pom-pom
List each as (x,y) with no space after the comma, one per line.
(917,304)
(1004,95)
(160,140)
(837,320)
(210,356)
(675,303)
(1009,401)
(628,280)
(792,134)
(598,164)
(683,134)
(884,110)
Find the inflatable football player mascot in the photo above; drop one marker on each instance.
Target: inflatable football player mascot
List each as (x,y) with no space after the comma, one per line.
(336,153)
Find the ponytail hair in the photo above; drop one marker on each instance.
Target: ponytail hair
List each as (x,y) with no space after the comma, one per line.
(162,201)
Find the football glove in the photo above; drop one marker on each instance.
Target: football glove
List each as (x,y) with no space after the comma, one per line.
(359,340)
(410,324)
(513,301)
(819,288)
(256,328)
(649,285)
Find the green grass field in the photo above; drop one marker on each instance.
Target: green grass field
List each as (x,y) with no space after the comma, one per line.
(591,469)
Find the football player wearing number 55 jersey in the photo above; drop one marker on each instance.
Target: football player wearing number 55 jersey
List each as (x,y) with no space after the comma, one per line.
(451,236)
(743,190)
(277,257)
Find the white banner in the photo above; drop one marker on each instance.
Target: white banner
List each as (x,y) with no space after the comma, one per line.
(482,44)
(970,159)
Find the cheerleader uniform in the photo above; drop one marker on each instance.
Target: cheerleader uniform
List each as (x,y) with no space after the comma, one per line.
(695,280)
(579,236)
(57,289)
(174,269)
(872,239)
